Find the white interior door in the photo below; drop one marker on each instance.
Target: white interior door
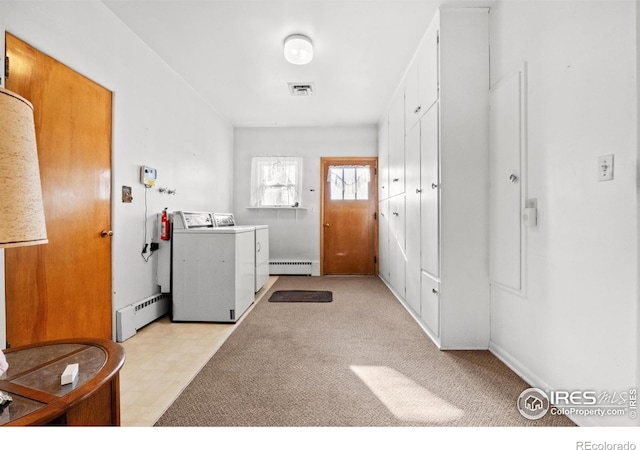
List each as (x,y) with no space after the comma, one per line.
(505,147)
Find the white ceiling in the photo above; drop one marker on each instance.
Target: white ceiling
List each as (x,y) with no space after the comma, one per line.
(231,52)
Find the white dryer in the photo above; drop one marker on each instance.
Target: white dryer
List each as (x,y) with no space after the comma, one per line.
(262,255)
(212,269)
(261,246)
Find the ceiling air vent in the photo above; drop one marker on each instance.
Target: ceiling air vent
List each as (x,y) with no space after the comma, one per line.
(301,89)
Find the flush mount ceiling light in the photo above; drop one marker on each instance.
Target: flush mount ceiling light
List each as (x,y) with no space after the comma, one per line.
(298,49)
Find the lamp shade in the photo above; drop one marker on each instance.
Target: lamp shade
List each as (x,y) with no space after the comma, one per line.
(21,209)
(298,49)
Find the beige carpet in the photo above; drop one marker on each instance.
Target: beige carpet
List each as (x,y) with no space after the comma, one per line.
(360,360)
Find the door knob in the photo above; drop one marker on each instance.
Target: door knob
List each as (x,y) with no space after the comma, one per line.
(434,186)
(513,178)
(326,225)
(105,233)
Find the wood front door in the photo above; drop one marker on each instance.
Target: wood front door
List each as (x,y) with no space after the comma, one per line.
(349,230)
(62,289)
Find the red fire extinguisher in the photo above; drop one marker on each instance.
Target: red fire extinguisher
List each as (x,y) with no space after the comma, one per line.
(164,225)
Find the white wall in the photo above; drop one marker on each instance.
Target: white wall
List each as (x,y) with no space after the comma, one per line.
(158,120)
(294,235)
(576,328)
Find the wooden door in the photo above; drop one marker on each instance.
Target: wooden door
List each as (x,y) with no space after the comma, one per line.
(349,218)
(63,289)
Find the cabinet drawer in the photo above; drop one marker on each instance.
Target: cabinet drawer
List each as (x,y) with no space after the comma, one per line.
(431,303)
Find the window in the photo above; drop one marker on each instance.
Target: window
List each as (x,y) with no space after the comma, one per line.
(276,181)
(349,182)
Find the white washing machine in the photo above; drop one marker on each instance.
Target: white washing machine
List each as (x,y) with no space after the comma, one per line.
(261,248)
(212,269)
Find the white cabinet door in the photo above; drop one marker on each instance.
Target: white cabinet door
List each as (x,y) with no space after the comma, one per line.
(421,82)
(430,205)
(396,145)
(412,214)
(428,70)
(412,96)
(397,245)
(383,158)
(383,240)
(431,303)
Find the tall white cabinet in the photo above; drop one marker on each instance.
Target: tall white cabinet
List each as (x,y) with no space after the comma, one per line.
(441,195)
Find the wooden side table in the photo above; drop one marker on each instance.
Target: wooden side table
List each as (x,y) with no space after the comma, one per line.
(33,381)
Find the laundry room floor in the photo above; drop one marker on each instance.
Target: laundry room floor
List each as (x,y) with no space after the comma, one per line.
(162,358)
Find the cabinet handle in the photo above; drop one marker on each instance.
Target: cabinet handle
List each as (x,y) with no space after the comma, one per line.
(395,213)
(434,291)
(434,186)
(513,178)
(396,179)
(418,191)
(417,110)
(259,247)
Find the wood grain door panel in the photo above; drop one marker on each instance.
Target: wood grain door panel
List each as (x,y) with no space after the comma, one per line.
(349,227)
(63,289)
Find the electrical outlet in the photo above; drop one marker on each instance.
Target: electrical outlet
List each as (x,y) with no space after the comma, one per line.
(605,168)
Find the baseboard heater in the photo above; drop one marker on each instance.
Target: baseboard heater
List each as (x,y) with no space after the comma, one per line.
(135,316)
(290,267)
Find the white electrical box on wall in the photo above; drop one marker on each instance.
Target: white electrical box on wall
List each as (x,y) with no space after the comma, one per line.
(148,176)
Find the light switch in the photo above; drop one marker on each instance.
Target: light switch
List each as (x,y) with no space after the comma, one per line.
(605,168)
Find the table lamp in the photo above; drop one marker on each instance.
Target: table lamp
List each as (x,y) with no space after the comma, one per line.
(21,208)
